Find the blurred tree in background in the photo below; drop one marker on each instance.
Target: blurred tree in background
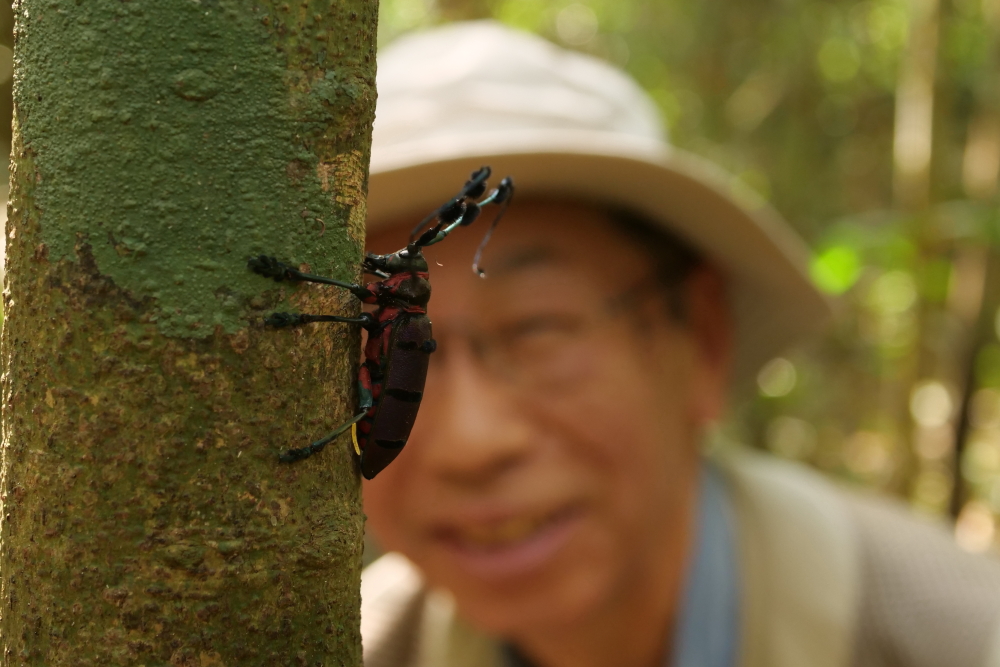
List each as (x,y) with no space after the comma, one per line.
(6,73)
(874,126)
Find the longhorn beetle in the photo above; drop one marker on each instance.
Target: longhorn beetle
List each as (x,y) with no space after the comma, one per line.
(391,379)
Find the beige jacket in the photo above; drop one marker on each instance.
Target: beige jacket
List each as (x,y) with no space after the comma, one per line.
(828,579)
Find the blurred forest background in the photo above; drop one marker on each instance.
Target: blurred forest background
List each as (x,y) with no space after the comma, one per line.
(874,127)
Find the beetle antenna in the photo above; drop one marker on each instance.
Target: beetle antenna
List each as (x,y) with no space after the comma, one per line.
(502,195)
(454,209)
(420,225)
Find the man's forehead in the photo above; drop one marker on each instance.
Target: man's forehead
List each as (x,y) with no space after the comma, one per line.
(521,258)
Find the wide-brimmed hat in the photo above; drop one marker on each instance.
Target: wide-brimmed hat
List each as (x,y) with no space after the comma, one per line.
(564,124)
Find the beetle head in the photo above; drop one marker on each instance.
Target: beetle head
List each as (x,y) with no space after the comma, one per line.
(409,259)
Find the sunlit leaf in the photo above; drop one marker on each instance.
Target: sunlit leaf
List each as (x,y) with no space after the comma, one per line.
(836,269)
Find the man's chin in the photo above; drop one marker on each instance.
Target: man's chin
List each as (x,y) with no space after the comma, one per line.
(551,602)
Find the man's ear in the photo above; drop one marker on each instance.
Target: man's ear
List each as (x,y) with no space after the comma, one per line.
(709,319)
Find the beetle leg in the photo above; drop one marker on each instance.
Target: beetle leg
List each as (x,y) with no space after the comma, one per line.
(279,320)
(270,267)
(366,396)
(293,455)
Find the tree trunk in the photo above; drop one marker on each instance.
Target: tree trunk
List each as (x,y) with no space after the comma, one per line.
(158,144)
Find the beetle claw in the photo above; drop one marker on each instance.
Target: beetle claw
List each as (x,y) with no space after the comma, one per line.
(293,455)
(279,320)
(269,267)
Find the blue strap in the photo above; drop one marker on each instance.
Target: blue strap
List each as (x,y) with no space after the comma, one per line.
(707,631)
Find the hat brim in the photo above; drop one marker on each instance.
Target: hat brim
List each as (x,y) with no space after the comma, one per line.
(772,299)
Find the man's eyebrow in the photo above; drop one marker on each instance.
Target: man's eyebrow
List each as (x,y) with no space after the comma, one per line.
(523,259)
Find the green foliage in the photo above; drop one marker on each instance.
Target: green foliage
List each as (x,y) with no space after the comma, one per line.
(836,269)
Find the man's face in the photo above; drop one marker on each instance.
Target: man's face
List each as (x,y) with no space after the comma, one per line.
(554,459)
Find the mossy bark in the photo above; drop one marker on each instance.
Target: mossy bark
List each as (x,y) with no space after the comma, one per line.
(158,144)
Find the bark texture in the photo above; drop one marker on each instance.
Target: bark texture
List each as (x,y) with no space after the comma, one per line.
(157,145)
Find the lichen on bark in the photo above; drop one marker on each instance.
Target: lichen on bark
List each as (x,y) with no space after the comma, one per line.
(146,519)
(187,134)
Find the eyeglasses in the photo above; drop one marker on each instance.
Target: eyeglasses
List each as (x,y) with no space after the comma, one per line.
(542,350)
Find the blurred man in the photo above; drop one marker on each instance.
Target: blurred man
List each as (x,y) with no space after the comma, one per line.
(553,507)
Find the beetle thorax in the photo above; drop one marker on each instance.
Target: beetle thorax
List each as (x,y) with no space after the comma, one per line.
(412,289)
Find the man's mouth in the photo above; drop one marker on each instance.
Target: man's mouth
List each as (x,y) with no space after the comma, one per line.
(501,533)
(512,545)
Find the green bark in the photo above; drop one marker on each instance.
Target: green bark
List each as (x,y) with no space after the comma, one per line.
(157,145)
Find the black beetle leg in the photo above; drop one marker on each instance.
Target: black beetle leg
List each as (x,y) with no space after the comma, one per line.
(293,455)
(270,267)
(279,320)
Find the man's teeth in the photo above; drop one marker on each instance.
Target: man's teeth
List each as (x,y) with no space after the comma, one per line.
(503,533)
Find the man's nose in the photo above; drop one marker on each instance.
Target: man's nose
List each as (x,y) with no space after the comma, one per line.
(476,429)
